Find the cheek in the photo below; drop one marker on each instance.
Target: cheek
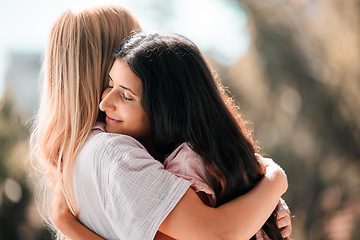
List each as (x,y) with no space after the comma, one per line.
(141,123)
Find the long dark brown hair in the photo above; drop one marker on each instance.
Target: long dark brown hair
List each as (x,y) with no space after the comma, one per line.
(185,102)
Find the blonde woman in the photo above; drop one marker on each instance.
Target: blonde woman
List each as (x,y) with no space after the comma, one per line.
(136,196)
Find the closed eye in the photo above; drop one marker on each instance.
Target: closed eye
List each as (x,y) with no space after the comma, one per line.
(126,98)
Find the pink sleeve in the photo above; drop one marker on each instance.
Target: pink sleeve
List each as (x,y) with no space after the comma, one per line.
(187,164)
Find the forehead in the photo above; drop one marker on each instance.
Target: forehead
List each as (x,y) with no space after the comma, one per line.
(123,76)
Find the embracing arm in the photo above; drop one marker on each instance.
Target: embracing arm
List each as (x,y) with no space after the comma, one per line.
(62,217)
(252,211)
(240,218)
(71,227)
(136,167)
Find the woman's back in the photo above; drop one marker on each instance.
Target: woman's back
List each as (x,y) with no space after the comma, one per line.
(107,175)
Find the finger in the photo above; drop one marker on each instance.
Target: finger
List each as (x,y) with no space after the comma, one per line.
(52,187)
(282,204)
(282,209)
(52,176)
(259,158)
(284,222)
(265,161)
(286,232)
(281,213)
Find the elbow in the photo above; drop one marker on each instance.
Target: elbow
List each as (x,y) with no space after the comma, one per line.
(281,180)
(285,182)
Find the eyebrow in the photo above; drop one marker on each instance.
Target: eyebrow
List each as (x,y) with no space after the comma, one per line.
(126,88)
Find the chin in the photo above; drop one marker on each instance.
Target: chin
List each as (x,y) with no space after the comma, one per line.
(109,129)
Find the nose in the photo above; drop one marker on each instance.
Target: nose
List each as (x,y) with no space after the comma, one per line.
(107,103)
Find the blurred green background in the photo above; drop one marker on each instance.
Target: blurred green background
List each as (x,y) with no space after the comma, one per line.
(292,65)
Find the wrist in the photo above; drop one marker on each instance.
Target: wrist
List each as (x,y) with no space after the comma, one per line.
(61,218)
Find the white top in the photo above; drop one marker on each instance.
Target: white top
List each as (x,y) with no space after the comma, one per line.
(121,192)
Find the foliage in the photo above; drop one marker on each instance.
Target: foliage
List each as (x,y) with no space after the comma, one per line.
(299,83)
(18,216)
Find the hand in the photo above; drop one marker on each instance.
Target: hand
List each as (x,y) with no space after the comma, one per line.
(273,171)
(52,175)
(60,209)
(266,163)
(284,219)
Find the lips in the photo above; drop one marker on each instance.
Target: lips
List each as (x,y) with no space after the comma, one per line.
(110,120)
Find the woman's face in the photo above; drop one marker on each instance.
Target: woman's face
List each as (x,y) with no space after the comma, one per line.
(121,101)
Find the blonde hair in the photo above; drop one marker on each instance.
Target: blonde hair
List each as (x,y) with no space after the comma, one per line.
(78,58)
